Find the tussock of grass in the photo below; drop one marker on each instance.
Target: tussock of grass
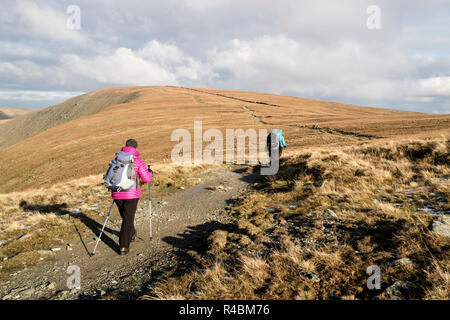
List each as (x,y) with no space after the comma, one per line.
(286,245)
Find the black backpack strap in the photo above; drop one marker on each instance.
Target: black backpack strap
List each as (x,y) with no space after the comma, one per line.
(137,181)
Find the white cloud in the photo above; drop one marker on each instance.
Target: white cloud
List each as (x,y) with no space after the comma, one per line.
(437,86)
(320,49)
(34,95)
(29,71)
(281,64)
(44,21)
(154,64)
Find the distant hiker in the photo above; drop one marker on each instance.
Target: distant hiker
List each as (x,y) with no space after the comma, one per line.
(123,182)
(278,143)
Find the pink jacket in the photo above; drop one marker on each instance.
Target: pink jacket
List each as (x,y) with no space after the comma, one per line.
(141,170)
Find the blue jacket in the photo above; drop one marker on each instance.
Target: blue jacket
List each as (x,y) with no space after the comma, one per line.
(280,134)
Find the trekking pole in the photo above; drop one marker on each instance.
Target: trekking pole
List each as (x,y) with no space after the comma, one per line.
(107,217)
(150,206)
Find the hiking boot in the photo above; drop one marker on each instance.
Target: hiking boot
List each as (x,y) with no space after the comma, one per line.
(124,251)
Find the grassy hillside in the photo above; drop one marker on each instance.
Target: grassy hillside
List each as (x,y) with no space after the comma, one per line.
(150,114)
(9,113)
(311,231)
(370,186)
(4,116)
(15,112)
(30,124)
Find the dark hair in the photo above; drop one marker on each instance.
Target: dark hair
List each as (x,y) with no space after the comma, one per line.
(131,143)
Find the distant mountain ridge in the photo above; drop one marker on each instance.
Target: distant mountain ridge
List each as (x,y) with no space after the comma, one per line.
(79,137)
(4,116)
(33,123)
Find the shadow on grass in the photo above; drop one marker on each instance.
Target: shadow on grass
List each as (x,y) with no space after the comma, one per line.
(193,238)
(61,210)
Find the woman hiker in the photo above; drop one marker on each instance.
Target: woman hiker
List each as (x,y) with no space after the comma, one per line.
(279,142)
(127,201)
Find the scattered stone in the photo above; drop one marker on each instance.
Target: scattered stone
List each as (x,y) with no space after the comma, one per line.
(182,188)
(94,207)
(76,210)
(400,289)
(56,249)
(25,236)
(45,252)
(27,292)
(441,226)
(69,247)
(326,214)
(403,261)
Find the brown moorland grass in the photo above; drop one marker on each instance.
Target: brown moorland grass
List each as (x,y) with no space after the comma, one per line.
(356,155)
(287,244)
(15,112)
(6,114)
(50,217)
(154,112)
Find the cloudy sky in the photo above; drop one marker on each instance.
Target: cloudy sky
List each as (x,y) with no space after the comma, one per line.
(316,49)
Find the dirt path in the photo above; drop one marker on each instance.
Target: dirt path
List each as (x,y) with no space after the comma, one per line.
(178,220)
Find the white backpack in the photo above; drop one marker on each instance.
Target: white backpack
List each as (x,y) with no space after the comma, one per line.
(120,175)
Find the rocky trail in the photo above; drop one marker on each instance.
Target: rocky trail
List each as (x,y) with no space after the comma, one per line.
(178,221)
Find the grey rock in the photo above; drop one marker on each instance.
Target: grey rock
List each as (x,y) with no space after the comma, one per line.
(326,214)
(400,289)
(27,292)
(441,226)
(45,252)
(94,207)
(403,261)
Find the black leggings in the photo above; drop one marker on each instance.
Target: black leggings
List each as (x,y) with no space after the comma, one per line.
(280,150)
(127,210)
